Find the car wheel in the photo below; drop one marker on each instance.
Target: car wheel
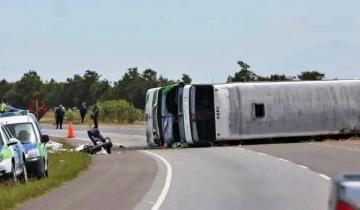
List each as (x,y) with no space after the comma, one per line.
(24,176)
(13,176)
(46,170)
(42,173)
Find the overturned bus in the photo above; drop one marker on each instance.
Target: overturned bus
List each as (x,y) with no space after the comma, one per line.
(244,111)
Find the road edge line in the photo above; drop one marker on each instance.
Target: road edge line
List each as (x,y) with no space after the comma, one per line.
(168,178)
(325,177)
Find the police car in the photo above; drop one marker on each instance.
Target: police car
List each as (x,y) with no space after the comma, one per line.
(12,156)
(24,126)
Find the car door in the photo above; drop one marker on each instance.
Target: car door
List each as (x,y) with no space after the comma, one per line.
(15,148)
(42,145)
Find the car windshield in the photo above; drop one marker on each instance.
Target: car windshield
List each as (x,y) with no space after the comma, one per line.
(24,132)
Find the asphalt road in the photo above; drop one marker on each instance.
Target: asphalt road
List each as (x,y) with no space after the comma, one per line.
(116,181)
(268,176)
(126,135)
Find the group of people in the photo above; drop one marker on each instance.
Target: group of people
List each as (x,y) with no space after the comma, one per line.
(60,114)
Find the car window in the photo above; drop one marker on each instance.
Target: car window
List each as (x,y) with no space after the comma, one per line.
(8,133)
(24,132)
(5,136)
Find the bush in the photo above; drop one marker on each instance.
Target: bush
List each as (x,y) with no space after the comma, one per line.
(112,111)
(119,111)
(72,115)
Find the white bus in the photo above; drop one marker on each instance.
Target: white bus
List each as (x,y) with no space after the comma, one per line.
(245,111)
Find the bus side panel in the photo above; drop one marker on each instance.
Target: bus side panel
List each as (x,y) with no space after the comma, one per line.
(181,114)
(222,113)
(149,116)
(160,141)
(271,110)
(154,111)
(186,114)
(192,104)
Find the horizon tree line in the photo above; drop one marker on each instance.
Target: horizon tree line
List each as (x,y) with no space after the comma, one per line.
(132,86)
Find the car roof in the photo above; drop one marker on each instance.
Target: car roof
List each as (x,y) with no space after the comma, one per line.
(16,119)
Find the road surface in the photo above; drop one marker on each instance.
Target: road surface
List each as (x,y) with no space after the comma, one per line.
(112,182)
(268,176)
(126,135)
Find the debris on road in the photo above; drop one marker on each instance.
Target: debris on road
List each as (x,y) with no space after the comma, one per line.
(55,147)
(179,145)
(98,149)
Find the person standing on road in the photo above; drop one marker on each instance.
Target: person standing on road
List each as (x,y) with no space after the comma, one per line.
(3,106)
(59,116)
(83,111)
(95,115)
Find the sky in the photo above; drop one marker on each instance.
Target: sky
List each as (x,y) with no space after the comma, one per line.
(202,38)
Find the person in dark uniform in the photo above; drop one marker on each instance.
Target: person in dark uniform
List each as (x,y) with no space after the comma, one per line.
(83,111)
(95,115)
(59,116)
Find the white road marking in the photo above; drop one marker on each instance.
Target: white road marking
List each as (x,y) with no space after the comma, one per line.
(282,159)
(302,166)
(337,146)
(305,167)
(166,188)
(325,177)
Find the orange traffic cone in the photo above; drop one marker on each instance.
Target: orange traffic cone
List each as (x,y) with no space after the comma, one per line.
(70,131)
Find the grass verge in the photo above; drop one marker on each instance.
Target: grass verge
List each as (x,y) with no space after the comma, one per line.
(63,166)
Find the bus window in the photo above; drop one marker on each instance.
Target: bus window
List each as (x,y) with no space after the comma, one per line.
(204,113)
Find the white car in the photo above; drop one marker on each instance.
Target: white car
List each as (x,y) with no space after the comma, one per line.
(12,156)
(23,125)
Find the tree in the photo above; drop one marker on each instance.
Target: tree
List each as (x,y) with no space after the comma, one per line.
(27,87)
(280,77)
(149,75)
(5,86)
(186,79)
(311,75)
(243,75)
(51,91)
(132,87)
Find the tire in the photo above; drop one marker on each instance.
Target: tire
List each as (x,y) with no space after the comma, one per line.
(42,174)
(13,176)
(24,176)
(47,170)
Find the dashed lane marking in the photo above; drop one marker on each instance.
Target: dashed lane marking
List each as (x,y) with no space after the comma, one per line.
(285,160)
(336,146)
